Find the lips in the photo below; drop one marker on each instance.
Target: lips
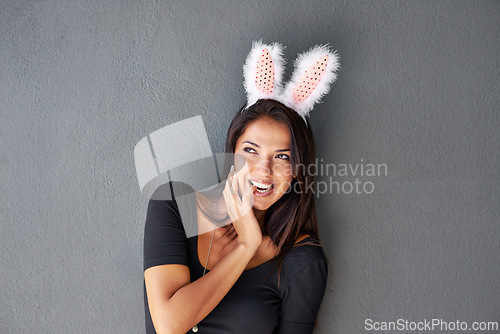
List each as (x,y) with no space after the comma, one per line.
(263,189)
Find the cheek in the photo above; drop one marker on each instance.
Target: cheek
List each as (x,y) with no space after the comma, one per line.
(252,164)
(284,172)
(283,188)
(284,183)
(239,160)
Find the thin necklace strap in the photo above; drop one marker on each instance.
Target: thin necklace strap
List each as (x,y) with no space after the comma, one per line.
(208,255)
(195,327)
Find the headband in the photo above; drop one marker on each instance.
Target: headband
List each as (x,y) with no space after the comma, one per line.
(315,71)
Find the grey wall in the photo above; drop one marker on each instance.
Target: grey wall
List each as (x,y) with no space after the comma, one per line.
(82,82)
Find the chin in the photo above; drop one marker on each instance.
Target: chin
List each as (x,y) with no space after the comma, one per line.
(261,206)
(264,203)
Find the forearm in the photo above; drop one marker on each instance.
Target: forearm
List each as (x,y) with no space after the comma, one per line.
(194,301)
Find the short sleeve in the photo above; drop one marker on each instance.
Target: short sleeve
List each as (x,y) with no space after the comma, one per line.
(302,298)
(164,236)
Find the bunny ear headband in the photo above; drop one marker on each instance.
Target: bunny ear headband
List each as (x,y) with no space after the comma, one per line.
(315,71)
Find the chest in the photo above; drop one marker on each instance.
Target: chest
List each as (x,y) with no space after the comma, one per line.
(253,304)
(210,252)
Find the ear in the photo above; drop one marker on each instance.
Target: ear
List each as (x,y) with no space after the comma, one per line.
(315,71)
(263,72)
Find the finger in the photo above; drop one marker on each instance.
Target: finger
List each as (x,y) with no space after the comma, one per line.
(227,199)
(247,182)
(229,179)
(231,205)
(244,178)
(234,184)
(248,199)
(236,198)
(230,196)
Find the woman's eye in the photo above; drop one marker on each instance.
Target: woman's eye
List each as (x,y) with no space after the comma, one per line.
(249,150)
(283,156)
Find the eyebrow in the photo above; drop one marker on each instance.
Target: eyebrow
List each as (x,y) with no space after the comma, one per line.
(281,150)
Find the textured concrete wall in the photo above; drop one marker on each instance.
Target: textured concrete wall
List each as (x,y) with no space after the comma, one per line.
(82,82)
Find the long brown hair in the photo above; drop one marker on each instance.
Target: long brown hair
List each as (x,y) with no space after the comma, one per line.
(294,213)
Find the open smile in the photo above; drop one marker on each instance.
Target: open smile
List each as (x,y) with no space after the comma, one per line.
(263,189)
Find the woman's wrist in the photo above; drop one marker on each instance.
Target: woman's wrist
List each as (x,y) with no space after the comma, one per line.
(247,248)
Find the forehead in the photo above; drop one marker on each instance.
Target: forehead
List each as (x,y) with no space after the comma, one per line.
(266,132)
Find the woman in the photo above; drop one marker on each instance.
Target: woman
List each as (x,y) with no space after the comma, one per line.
(263,273)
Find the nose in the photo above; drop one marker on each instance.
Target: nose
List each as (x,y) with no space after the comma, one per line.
(262,168)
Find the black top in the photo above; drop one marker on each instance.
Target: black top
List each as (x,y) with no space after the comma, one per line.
(255,304)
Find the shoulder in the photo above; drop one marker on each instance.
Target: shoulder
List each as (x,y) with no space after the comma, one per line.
(171,191)
(305,258)
(173,204)
(307,248)
(171,197)
(166,228)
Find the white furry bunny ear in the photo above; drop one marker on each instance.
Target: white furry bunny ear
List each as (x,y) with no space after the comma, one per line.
(315,71)
(263,72)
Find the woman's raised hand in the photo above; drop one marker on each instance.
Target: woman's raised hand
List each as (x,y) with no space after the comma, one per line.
(240,209)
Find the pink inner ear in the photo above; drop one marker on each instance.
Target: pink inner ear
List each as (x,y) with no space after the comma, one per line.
(309,80)
(264,74)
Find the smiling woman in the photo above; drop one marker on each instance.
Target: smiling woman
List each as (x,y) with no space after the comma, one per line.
(263,269)
(271,170)
(286,146)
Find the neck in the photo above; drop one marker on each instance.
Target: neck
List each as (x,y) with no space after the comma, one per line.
(260,215)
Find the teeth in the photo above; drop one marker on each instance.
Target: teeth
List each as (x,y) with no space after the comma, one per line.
(262,185)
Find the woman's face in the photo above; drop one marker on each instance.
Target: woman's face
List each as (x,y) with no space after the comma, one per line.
(265,145)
